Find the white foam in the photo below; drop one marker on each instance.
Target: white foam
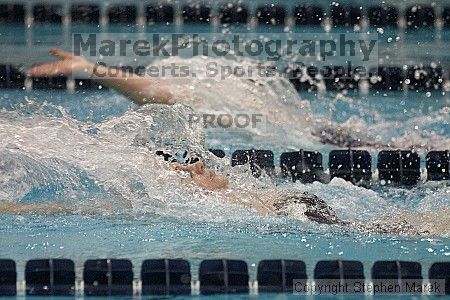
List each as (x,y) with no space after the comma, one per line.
(118,155)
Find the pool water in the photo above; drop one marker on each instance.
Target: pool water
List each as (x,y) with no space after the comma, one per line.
(82,150)
(194,230)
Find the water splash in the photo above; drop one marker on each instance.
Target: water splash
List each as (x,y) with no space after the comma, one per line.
(47,155)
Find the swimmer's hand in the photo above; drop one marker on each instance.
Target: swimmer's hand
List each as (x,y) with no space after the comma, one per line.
(139,89)
(67,64)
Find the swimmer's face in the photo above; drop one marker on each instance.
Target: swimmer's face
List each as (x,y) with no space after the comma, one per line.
(199,168)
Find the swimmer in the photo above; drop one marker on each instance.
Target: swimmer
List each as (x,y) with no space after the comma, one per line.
(315,209)
(145,90)
(141,90)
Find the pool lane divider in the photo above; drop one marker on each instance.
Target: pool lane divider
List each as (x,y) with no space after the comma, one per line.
(438,165)
(50,277)
(293,13)
(352,165)
(277,275)
(8,277)
(394,167)
(401,167)
(305,166)
(108,277)
(13,77)
(166,277)
(382,78)
(160,277)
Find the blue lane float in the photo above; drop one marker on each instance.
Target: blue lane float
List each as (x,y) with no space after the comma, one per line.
(419,16)
(305,166)
(438,165)
(424,78)
(11,77)
(308,15)
(446,17)
(50,277)
(397,166)
(270,14)
(87,84)
(122,14)
(166,277)
(277,276)
(218,152)
(346,16)
(219,276)
(85,14)
(339,273)
(53,83)
(114,277)
(48,13)
(108,277)
(233,14)
(161,14)
(8,277)
(196,14)
(383,16)
(352,165)
(386,78)
(382,78)
(258,160)
(397,273)
(12,13)
(440,271)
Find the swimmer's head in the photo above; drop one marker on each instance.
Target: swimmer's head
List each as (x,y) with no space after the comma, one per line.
(198,168)
(207,178)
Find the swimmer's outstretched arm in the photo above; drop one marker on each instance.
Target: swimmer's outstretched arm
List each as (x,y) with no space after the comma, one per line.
(41,208)
(140,90)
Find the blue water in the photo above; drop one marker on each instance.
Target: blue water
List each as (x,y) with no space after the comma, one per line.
(181,227)
(138,236)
